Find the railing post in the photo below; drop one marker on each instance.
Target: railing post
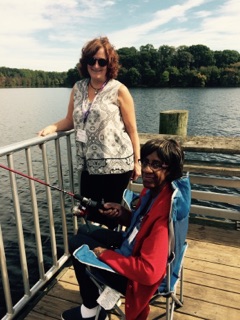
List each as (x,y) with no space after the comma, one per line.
(174,122)
(4,272)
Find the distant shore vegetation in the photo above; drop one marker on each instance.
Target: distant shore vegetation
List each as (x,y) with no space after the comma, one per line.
(167,66)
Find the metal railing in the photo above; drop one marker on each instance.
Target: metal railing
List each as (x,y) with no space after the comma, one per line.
(56,151)
(36,220)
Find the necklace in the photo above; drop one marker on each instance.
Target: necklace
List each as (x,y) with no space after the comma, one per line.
(96,90)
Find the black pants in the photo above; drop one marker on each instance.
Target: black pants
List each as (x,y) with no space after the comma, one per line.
(107,187)
(95,236)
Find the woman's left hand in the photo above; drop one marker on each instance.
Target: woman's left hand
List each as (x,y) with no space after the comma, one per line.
(136,171)
(98,251)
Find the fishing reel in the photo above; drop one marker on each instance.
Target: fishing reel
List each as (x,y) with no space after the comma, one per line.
(80,210)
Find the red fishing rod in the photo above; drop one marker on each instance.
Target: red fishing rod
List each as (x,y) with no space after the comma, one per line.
(85,202)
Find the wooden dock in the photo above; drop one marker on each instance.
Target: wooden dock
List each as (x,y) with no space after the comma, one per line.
(211,281)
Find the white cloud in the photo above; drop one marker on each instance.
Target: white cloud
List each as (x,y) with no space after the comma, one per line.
(218,29)
(16,17)
(49,35)
(133,35)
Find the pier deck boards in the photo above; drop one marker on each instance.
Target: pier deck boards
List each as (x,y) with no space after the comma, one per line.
(211,281)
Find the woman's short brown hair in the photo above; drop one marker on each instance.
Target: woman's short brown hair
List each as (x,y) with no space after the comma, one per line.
(91,48)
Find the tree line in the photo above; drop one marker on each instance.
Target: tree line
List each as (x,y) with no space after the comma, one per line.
(167,66)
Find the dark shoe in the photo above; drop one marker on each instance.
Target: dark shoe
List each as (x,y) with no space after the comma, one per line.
(74,314)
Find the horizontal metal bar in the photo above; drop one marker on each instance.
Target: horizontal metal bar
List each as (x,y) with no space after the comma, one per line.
(215,212)
(32,142)
(216,197)
(215,181)
(214,170)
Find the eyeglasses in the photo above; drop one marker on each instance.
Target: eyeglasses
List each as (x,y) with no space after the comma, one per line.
(92,61)
(154,165)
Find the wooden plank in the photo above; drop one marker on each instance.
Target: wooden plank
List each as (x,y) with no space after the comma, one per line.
(211,279)
(215,296)
(232,273)
(214,235)
(211,252)
(202,309)
(61,288)
(38,316)
(159,313)
(198,308)
(69,276)
(53,307)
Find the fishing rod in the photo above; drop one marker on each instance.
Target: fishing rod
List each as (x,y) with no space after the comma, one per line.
(85,202)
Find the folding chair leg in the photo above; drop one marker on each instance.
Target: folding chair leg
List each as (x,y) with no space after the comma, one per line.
(120,314)
(181,286)
(167,308)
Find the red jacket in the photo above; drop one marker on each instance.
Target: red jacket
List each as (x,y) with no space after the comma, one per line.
(146,267)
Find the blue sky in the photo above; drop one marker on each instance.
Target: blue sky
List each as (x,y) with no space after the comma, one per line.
(49,34)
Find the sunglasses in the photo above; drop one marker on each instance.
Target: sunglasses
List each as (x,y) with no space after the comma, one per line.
(101,62)
(154,165)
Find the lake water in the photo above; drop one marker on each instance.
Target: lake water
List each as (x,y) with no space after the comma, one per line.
(23,112)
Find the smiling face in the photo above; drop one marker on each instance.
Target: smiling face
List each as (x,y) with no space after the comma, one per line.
(96,72)
(153,179)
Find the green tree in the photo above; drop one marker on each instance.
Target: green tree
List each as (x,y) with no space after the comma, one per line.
(168,66)
(164,79)
(193,78)
(72,77)
(174,75)
(148,75)
(212,74)
(122,75)
(226,57)
(134,77)
(166,55)
(203,56)
(128,57)
(230,77)
(183,59)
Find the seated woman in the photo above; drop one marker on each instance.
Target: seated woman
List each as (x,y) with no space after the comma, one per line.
(138,255)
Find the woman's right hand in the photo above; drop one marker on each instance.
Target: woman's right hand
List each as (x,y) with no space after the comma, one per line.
(48,130)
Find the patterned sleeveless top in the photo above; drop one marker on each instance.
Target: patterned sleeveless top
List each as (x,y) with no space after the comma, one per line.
(108,148)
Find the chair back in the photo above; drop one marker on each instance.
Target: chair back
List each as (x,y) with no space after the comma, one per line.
(178,228)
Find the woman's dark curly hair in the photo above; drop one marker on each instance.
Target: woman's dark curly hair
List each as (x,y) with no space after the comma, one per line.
(169,152)
(91,48)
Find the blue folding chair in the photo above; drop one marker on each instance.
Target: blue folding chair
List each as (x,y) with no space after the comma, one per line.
(178,227)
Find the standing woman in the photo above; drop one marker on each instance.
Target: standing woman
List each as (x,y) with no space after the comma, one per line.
(101,110)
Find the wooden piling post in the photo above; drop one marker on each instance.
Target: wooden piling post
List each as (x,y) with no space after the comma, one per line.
(174,122)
